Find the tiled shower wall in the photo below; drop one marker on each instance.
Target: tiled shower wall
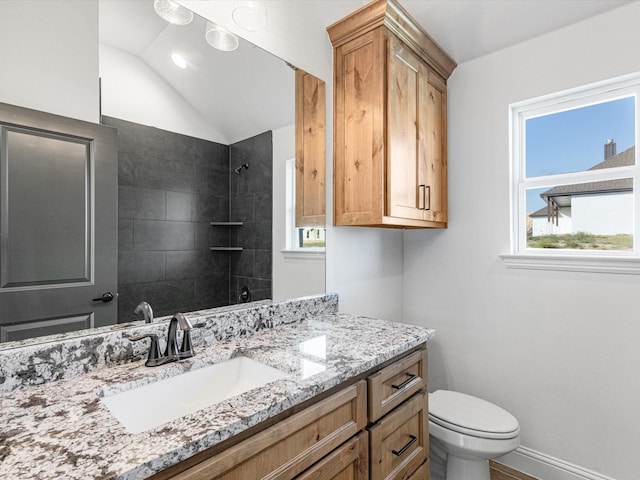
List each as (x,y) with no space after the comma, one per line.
(251,199)
(170,186)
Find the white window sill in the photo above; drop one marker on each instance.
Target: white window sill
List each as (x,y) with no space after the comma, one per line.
(574,263)
(312,254)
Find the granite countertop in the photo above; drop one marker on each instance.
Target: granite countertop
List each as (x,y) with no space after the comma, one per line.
(62,429)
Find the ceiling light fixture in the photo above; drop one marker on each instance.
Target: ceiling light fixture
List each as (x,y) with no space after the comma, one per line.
(221,38)
(179,60)
(172,12)
(250,14)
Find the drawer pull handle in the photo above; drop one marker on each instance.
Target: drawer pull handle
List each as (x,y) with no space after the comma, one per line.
(406,382)
(406,447)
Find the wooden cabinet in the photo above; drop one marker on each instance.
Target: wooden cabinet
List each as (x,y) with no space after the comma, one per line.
(395,383)
(348,462)
(287,448)
(399,420)
(374,428)
(399,442)
(390,98)
(310,151)
(422,473)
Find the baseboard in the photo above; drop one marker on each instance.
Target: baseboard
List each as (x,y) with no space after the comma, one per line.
(546,467)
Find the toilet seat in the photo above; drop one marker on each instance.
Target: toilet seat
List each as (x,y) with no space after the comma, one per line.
(471,416)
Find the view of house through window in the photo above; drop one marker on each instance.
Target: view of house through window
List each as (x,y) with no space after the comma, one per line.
(576,164)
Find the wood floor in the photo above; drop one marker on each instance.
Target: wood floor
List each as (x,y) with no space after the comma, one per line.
(502,472)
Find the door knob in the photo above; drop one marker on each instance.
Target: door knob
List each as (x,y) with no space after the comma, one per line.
(106,297)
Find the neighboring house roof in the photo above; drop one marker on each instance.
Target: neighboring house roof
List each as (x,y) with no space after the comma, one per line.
(543,212)
(606,186)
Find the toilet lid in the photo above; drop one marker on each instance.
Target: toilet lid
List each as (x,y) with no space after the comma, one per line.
(471,415)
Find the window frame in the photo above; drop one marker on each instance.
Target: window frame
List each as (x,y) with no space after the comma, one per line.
(521,256)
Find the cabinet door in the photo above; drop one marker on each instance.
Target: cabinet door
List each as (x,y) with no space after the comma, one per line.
(310,145)
(358,130)
(399,443)
(395,383)
(432,147)
(348,462)
(406,75)
(286,449)
(422,473)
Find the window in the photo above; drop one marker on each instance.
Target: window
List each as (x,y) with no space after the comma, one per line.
(574,179)
(304,239)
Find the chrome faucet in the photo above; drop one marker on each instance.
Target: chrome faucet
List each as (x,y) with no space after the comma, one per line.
(171,352)
(145,309)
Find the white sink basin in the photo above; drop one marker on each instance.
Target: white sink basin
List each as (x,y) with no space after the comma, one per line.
(154,404)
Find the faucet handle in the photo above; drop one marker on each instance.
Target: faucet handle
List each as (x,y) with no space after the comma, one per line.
(186,349)
(155,357)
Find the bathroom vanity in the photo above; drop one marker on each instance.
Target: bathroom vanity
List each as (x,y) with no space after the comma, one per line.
(352,404)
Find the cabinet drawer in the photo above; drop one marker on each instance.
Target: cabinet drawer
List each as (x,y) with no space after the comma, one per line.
(422,473)
(392,385)
(287,448)
(399,443)
(348,462)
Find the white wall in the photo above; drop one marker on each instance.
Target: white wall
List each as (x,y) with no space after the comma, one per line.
(132,91)
(292,276)
(607,214)
(50,56)
(561,351)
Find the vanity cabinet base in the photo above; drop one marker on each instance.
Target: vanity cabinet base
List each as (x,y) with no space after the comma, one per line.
(373,429)
(289,447)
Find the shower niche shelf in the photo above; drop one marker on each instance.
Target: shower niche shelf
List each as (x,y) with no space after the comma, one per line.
(225,249)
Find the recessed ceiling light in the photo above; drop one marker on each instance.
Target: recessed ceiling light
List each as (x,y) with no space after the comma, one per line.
(179,60)
(220,38)
(250,14)
(172,12)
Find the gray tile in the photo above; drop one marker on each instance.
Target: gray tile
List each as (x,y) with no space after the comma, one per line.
(140,267)
(207,235)
(260,289)
(212,291)
(255,235)
(165,298)
(181,206)
(163,235)
(262,264)
(257,151)
(154,172)
(196,263)
(125,234)
(242,263)
(211,208)
(262,206)
(141,203)
(125,169)
(242,208)
(210,181)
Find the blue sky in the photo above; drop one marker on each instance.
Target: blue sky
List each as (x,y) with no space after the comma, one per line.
(573,141)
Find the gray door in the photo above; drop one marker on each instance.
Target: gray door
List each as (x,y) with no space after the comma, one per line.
(58,224)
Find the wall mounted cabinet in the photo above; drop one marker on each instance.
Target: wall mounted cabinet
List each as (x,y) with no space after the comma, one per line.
(390,102)
(310,150)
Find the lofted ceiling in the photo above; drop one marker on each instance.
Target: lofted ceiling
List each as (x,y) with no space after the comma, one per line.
(240,93)
(247,103)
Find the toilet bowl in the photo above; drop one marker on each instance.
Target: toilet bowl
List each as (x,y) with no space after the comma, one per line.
(465,432)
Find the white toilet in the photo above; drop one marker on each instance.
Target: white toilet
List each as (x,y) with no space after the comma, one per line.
(465,432)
